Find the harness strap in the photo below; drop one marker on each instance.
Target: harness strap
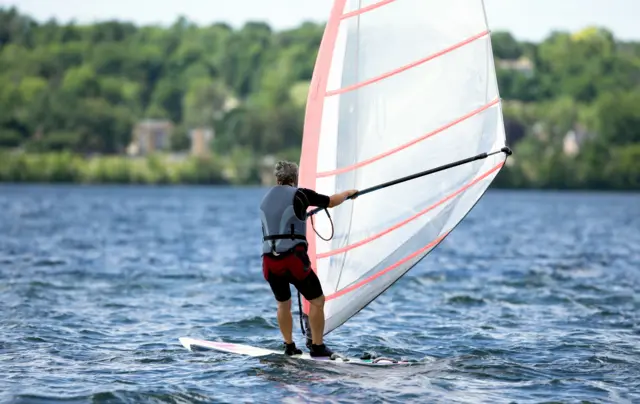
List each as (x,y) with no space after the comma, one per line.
(289,236)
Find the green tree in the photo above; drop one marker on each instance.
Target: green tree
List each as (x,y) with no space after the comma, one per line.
(77,91)
(505,46)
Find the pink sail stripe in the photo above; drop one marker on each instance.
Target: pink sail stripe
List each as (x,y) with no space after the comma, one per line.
(365,9)
(406,145)
(313,118)
(412,218)
(390,268)
(407,67)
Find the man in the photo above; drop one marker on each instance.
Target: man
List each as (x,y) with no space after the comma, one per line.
(284,253)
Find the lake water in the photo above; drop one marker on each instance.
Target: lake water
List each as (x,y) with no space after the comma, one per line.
(535,297)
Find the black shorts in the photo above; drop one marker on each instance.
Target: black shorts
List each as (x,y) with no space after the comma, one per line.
(291,268)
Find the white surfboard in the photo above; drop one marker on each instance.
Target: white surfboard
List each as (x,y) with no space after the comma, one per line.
(194,344)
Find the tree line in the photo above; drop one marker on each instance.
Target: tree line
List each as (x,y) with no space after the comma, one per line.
(69,92)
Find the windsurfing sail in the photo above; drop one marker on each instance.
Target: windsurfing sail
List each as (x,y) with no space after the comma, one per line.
(399,86)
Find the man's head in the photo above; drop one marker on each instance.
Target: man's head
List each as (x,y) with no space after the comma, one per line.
(286,173)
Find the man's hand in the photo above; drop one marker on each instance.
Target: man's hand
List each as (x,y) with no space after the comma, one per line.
(337,199)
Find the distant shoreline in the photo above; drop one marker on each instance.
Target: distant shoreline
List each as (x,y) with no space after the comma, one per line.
(492,188)
(162,171)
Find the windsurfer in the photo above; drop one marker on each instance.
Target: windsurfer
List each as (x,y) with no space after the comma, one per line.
(284,254)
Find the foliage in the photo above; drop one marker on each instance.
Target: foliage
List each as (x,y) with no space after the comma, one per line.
(71,94)
(68,167)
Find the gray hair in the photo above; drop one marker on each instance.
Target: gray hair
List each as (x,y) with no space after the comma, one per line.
(286,172)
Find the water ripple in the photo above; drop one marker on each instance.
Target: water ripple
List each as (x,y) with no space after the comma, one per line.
(532,299)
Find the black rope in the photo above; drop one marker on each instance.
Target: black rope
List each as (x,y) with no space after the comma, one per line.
(332,228)
(325,239)
(312,223)
(300,314)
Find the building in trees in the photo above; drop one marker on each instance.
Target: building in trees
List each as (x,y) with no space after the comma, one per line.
(200,141)
(150,136)
(574,139)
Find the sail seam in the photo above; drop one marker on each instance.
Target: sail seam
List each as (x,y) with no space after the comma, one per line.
(410,219)
(406,67)
(363,10)
(408,144)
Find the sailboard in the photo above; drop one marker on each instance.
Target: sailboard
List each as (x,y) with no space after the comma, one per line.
(194,344)
(399,87)
(404,106)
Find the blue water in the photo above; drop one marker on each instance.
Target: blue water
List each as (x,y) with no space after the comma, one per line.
(535,297)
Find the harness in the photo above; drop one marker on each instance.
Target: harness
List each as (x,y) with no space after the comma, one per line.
(287,236)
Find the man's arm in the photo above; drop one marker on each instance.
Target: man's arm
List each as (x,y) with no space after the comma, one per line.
(324,201)
(337,199)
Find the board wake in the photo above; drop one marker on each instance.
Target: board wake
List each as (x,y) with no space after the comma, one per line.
(194,344)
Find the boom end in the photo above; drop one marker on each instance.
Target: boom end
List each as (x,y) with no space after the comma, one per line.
(506,151)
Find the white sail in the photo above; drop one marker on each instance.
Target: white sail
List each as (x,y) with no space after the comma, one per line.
(400,86)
